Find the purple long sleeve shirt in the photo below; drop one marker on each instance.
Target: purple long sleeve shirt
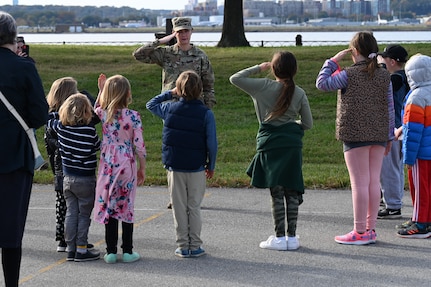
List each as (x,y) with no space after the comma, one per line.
(332,78)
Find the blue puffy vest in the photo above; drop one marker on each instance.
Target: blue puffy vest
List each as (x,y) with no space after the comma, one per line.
(184,136)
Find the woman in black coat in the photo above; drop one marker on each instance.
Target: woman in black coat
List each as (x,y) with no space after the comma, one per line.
(21,85)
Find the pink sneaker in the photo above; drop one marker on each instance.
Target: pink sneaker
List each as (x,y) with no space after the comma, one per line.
(354,238)
(373,235)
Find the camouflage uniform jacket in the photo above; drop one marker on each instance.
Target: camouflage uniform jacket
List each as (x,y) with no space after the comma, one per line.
(174,61)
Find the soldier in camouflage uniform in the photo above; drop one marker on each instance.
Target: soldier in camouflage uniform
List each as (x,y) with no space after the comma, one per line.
(178,58)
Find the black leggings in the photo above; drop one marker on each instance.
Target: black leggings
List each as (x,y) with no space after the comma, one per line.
(111,236)
(11,262)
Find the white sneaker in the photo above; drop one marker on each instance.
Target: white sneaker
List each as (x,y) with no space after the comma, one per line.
(274,243)
(292,243)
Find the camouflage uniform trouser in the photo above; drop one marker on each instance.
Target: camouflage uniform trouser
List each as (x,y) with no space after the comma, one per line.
(280,213)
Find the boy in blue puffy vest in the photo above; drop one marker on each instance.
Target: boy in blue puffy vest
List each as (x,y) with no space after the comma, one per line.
(189,150)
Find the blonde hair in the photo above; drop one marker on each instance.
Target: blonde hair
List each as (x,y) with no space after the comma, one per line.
(189,85)
(116,95)
(76,110)
(60,90)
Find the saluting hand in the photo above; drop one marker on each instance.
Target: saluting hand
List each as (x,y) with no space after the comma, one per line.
(340,55)
(167,38)
(265,66)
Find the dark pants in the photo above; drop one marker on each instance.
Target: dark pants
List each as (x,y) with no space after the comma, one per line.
(111,236)
(60,215)
(282,211)
(11,262)
(15,197)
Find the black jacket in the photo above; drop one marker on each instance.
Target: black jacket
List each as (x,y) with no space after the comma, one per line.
(21,85)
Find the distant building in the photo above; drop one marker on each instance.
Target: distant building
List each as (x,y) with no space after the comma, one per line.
(330,22)
(132,24)
(206,8)
(161,21)
(69,28)
(259,21)
(15,3)
(288,8)
(105,25)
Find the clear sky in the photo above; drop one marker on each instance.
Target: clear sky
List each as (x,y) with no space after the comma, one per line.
(138,4)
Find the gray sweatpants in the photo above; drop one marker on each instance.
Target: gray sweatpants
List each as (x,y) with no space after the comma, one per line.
(392,177)
(79,192)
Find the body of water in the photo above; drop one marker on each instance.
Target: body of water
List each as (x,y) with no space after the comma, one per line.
(267,39)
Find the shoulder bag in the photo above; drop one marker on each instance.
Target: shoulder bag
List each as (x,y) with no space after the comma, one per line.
(38,159)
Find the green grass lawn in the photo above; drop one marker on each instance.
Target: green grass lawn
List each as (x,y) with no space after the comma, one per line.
(235,118)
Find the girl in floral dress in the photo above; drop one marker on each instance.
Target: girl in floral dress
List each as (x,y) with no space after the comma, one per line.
(118,174)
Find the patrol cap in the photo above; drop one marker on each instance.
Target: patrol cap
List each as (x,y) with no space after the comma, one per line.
(181,23)
(396,52)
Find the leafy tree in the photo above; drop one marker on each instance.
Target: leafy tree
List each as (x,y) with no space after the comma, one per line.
(92,20)
(233,34)
(65,17)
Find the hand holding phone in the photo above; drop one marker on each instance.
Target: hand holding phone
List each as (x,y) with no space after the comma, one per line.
(26,50)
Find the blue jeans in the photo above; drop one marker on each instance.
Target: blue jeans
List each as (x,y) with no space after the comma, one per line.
(79,192)
(392,177)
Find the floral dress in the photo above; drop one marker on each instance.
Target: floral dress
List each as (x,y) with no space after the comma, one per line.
(117,174)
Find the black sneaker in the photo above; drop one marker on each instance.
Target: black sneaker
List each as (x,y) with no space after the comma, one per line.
(61,246)
(70,256)
(388,213)
(88,256)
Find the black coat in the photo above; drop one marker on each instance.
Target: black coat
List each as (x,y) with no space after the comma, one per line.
(21,85)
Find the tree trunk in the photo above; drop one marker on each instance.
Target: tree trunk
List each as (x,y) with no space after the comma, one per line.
(233,34)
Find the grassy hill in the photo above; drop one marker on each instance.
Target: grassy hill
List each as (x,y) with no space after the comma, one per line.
(235,117)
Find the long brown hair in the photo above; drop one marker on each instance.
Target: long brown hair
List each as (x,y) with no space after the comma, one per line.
(60,90)
(284,67)
(366,45)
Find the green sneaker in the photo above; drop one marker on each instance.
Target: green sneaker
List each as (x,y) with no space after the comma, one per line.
(128,258)
(110,258)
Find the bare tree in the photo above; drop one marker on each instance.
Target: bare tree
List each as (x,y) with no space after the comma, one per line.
(233,34)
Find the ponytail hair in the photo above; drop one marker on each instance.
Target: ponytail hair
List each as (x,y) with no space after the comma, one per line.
(366,45)
(284,67)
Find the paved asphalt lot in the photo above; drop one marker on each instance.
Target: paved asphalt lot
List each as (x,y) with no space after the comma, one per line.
(235,221)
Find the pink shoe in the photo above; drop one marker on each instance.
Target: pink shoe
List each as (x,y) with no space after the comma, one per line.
(354,238)
(373,235)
